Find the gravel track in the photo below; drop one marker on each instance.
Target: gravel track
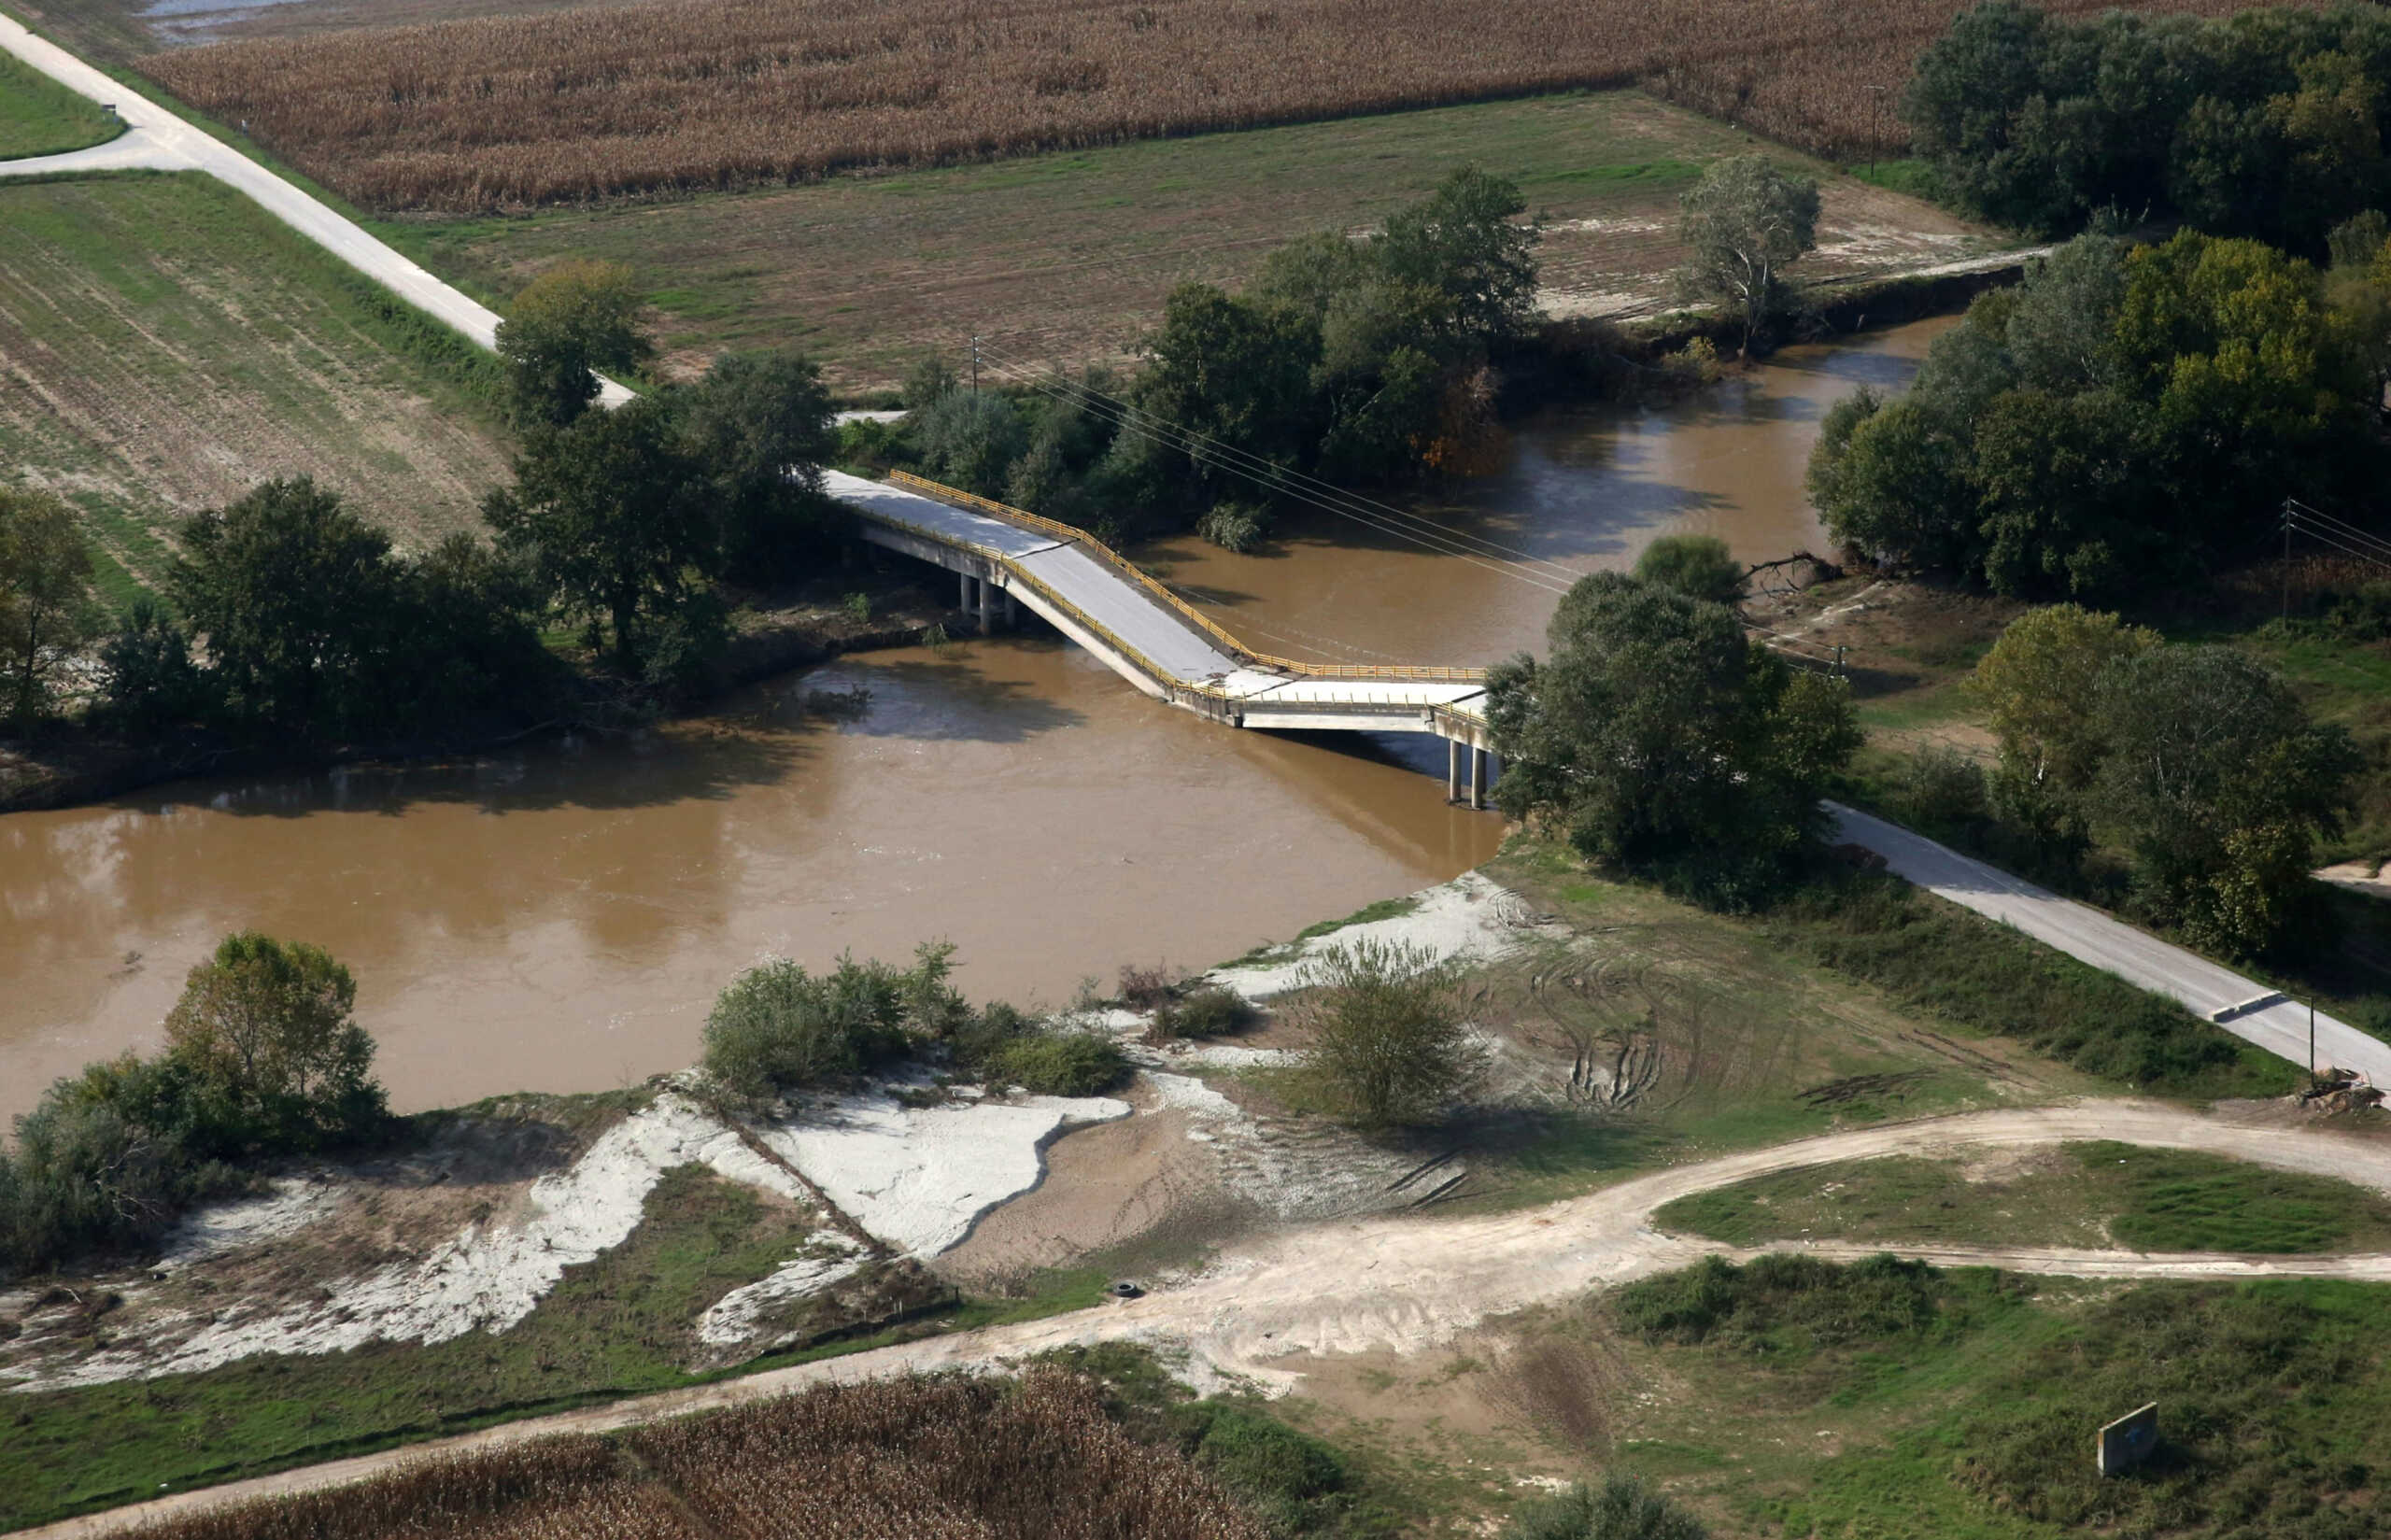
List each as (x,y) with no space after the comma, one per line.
(1407,1282)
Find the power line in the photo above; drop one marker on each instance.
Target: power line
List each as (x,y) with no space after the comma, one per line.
(2348,550)
(1278,477)
(2302,511)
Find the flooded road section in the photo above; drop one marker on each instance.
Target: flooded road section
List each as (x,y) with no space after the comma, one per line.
(1587,489)
(559,918)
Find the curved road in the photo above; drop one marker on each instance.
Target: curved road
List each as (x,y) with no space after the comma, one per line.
(1411,1282)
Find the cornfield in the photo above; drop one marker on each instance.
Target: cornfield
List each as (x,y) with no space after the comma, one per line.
(941,1459)
(686,95)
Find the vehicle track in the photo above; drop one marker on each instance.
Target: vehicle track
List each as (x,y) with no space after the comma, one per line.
(1410,1281)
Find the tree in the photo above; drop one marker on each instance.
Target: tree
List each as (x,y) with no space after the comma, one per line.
(1696,566)
(295,598)
(1963,104)
(611,514)
(266,1029)
(1745,222)
(2219,784)
(1235,374)
(2040,688)
(778,1027)
(46,609)
(1388,1043)
(2062,498)
(1620,1508)
(761,428)
(570,322)
(1463,244)
(970,439)
(147,680)
(1660,738)
(1889,480)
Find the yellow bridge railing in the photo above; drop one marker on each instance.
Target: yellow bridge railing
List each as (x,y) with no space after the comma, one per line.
(1415,673)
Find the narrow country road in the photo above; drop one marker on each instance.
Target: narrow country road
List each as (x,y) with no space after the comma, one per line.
(155,139)
(2090,935)
(1410,1282)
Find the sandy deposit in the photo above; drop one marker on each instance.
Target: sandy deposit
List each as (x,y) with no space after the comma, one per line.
(917,1179)
(1470,917)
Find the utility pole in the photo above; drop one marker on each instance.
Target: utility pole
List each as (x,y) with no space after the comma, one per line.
(2287,558)
(2311,1042)
(1875,124)
(975,380)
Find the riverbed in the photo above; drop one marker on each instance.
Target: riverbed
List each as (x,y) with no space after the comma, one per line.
(559,917)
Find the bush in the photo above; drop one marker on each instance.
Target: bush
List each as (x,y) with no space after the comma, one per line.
(1069,1061)
(1209,1011)
(779,1029)
(1389,1046)
(1619,1509)
(1939,787)
(1291,1479)
(1235,526)
(1783,1303)
(147,678)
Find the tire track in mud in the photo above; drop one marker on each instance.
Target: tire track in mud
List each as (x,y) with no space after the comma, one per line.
(1408,1281)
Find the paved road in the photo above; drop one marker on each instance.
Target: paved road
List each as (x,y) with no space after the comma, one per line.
(1411,1282)
(2087,933)
(157,140)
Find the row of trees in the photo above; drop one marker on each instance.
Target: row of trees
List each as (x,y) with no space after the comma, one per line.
(2197,759)
(2267,124)
(285,612)
(1362,359)
(263,1058)
(2122,419)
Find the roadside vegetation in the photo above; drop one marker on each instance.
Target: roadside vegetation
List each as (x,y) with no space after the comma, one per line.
(40,117)
(2095,1195)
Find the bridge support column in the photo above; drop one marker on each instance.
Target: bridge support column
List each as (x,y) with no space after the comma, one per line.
(1453,769)
(1013,612)
(963,590)
(987,607)
(1478,758)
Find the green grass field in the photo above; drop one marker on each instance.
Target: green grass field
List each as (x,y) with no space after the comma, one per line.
(170,346)
(1068,256)
(40,117)
(2100,1195)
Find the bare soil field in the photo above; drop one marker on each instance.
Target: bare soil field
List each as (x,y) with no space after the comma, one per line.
(164,346)
(497,112)
(1066,258)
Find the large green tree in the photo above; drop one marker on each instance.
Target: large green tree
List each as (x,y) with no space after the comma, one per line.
(615,517)
(45,608)
(267,1029)
(2216,779)
(1657,735)
(296,600)
(2040,688)
(1743,224)
(760,429)
(569,323)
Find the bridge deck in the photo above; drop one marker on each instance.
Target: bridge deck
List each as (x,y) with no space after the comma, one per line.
(1146,634)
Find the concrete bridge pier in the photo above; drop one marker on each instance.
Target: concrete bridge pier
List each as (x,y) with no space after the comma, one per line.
(1483,767)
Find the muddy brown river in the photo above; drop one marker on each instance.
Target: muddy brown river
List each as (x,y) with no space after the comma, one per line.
(560,917)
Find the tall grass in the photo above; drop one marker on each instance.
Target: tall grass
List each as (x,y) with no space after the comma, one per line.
(940,1458)
(683,94)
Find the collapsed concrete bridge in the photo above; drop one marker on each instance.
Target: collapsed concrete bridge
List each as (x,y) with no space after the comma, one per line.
(1007,559)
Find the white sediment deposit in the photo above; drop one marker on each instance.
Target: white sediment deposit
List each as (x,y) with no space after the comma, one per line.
(1471,917)
(918,1177)
(915,1177)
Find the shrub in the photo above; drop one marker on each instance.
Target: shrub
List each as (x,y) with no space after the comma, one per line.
(147,678)
(1387,1046)
(1145,988)
(1208,1010)
(1619,1509)
(1291,1479)
(1939,787)
(1783,1302)
(1235,526)
(1696,566)
(778,1027)
(1070,1062)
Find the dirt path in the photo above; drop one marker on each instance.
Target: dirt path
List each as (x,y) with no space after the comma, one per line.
(1407,1282)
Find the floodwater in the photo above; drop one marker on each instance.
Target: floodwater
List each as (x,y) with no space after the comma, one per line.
(561,916)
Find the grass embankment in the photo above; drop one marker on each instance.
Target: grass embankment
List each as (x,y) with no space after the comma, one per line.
(870,272)
(174,344)
(40,117)
(2099,1195)
(1856,999)
(1890,1398)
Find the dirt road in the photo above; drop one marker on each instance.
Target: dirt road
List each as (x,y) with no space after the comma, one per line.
(1409,1282)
